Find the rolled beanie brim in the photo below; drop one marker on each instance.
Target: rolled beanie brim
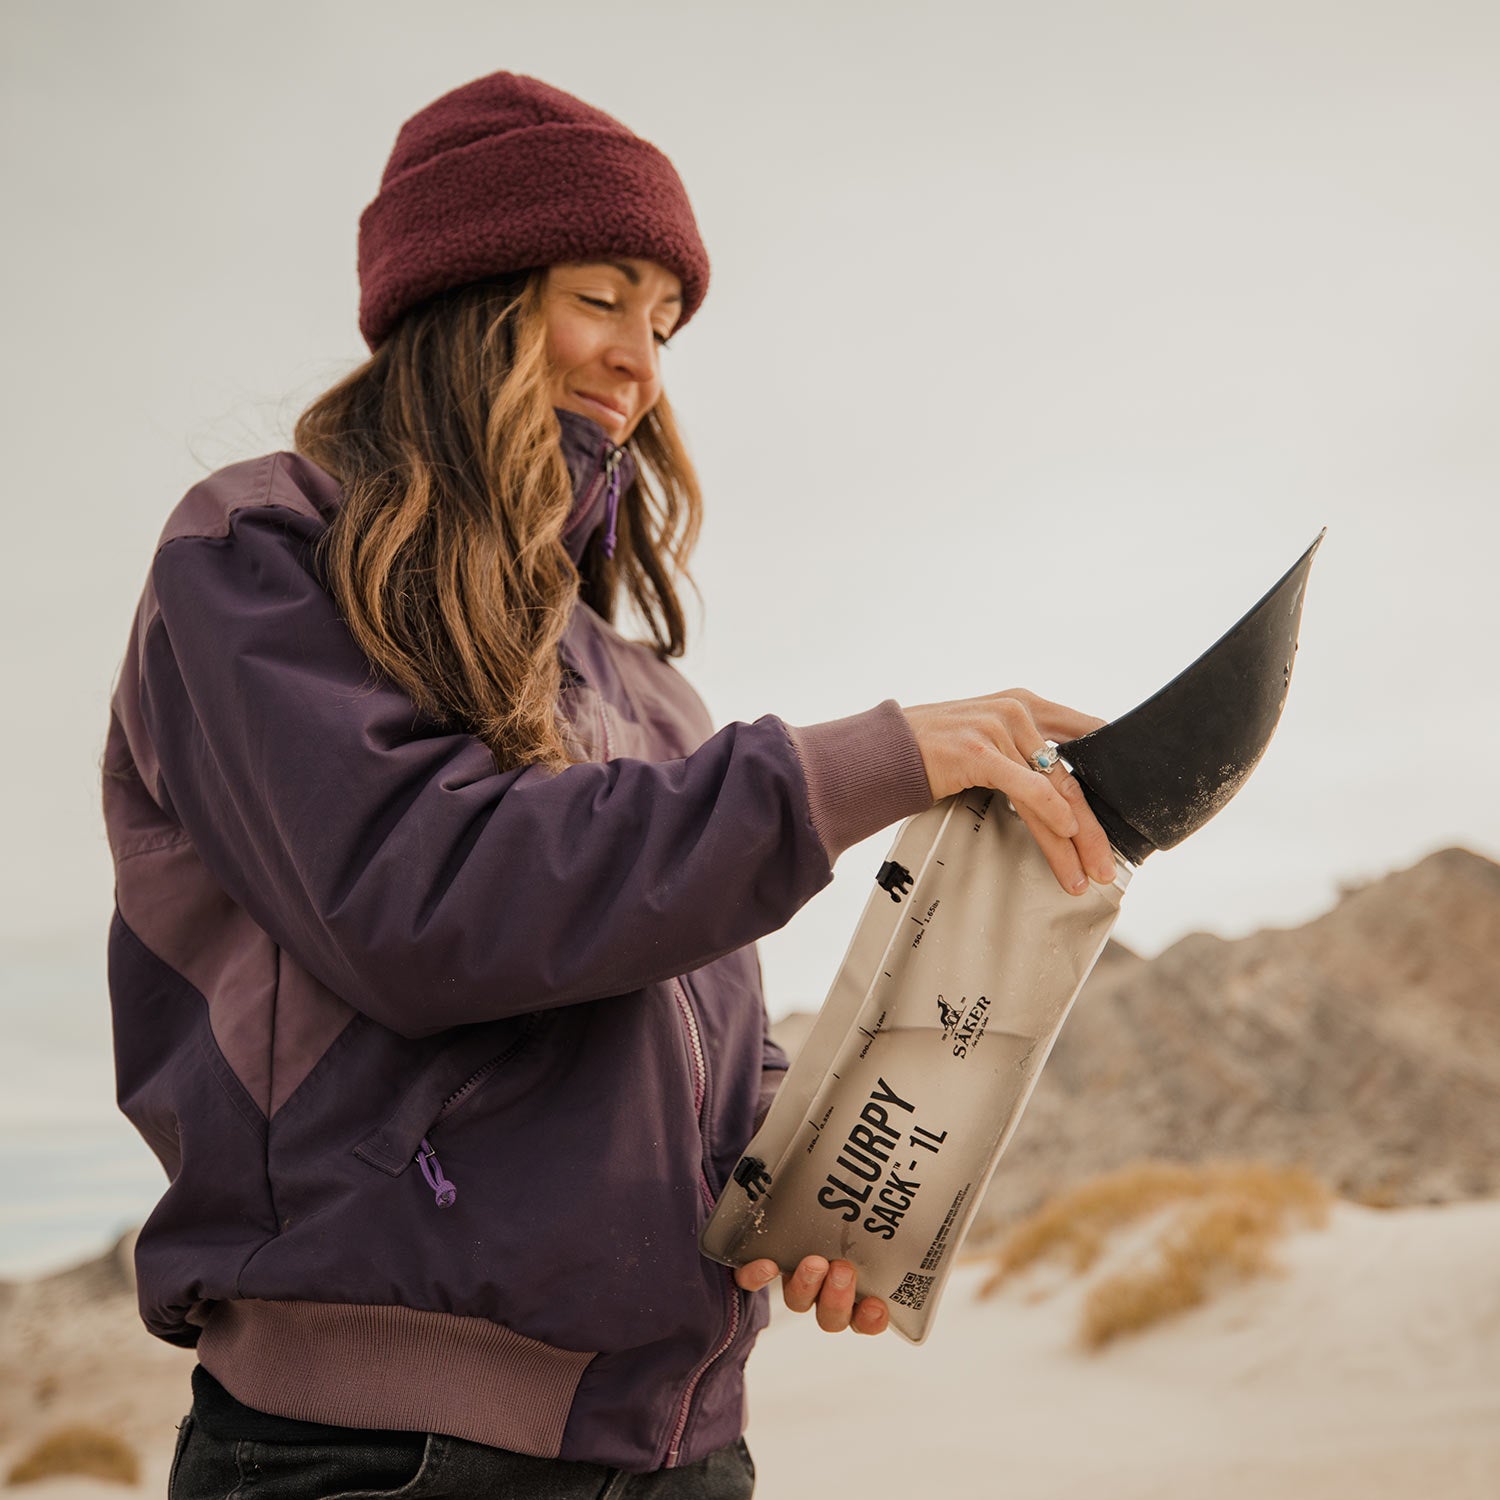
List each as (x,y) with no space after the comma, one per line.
(540,196)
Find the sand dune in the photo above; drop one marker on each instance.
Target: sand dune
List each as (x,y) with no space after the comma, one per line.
(1370,1368)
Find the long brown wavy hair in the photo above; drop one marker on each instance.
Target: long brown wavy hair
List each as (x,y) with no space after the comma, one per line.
(446,556)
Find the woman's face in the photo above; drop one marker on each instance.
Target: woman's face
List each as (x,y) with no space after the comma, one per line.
(606,322)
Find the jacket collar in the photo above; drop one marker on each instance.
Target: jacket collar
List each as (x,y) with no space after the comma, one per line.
(587,447)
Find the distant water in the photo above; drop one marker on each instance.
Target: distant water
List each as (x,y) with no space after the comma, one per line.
(75,1173)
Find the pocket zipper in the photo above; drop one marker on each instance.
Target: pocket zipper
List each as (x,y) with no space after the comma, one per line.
(444,1191)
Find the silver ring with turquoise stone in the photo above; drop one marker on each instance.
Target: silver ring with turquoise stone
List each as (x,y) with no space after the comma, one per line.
(1045,758)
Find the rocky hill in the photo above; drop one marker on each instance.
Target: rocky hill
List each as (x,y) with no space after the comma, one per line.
(1364,1045)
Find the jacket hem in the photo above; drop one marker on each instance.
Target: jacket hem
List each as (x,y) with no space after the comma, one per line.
(394,1368)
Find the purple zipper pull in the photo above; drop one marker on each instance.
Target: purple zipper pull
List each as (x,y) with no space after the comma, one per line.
(443,1190)
(612,498)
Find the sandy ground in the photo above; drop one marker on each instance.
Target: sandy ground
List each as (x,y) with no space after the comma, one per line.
(1370,1369)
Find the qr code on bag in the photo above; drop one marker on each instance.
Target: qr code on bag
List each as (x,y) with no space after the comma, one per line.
(913,1291)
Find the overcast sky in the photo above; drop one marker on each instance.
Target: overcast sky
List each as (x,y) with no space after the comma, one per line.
(1041,340)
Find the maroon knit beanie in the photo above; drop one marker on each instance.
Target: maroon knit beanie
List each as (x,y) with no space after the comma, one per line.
(508,173)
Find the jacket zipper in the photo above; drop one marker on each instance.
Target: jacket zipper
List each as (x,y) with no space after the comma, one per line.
(612,500)
(443,1190)
(607,476)
(700,1095)
(605,741)
(472,1082)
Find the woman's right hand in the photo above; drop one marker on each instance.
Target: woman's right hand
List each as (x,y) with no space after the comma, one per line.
(828,1286)
(987,742)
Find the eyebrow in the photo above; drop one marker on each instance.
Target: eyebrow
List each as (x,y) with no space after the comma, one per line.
(633,276)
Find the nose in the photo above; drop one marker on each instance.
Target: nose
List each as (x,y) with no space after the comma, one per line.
(633,351)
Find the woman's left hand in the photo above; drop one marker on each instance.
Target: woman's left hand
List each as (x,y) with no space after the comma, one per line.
(828,1285)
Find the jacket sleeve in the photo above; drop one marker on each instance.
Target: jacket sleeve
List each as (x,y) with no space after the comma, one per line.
(773,1072)
(394,862)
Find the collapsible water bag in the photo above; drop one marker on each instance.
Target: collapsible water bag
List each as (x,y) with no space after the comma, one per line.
(961,972)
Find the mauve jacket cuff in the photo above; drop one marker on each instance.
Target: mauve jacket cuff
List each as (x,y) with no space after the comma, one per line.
(863,774)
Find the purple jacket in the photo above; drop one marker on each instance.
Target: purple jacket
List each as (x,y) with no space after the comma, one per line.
(356,972)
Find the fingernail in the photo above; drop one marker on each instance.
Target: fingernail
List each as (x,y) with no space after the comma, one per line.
(1079,886)
(1106,873)
(841,1277)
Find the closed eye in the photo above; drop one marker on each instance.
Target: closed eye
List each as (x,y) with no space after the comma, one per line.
(663,340)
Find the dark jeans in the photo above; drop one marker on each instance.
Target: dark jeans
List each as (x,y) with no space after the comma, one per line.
(378,1466)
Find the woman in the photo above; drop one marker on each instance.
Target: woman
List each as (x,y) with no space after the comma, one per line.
(433,968)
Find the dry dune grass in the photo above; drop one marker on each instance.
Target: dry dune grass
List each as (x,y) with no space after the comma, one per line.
(78,1449)
(1226,1216)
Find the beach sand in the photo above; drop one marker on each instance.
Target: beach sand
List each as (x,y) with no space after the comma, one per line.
(1370,1367)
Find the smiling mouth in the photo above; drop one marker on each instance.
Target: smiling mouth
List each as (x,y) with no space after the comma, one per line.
(604,406)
